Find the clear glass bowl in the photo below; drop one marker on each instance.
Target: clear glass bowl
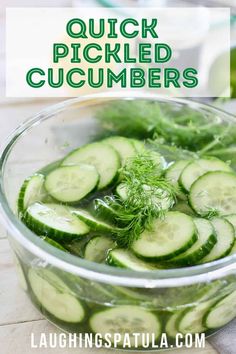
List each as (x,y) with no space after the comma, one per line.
(47,137)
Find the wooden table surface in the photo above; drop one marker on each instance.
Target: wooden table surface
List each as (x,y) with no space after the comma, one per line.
(18,317)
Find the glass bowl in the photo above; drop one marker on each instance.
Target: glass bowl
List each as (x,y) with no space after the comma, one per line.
(168,295)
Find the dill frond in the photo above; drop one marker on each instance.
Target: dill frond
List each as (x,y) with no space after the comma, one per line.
(149,196)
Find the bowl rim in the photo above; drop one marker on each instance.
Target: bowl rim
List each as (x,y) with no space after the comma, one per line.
(90,270)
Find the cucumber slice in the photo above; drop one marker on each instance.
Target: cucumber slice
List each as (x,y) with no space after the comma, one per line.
(122,258)
(214,191)
(54,295)
(233,249)
(222,312)
(168,238)
(122,191)
(173,173)
(206,241)
(138,145)
(124,147)
(198,168)
(92,222)
(70,184)
(232,219)
(104,210)
(55,221)
(191,321)
(171,325)
(31,191)
(54,243)
(97,247)
(102,156)
(126,319)
(225,240)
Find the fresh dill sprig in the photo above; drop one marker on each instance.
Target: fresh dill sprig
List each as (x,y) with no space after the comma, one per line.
(171,152)
(149,196)
(179,126)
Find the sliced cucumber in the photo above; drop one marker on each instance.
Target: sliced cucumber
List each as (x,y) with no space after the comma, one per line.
(54,295)
(126,319)
(171,325)
(103,210)
(54,243)
(32,191)
(233,249)
(169,237)
(173,173)
(124,147)
(97,247)
(198,168)
(214,191)
(102,156)
(92,222)
(158,159)
(55,221)
(225,240)
(191,320)
(122,258)
(206,241)
(222,312)
(70,184)
(232,219)
(138,145)
(122,191)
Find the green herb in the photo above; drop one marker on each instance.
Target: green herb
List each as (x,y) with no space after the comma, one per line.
(212,213)
(149,195)
(172,127)
(171,152)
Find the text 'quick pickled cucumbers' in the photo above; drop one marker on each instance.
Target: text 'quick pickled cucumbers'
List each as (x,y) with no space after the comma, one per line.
(126,319)
(54,295)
